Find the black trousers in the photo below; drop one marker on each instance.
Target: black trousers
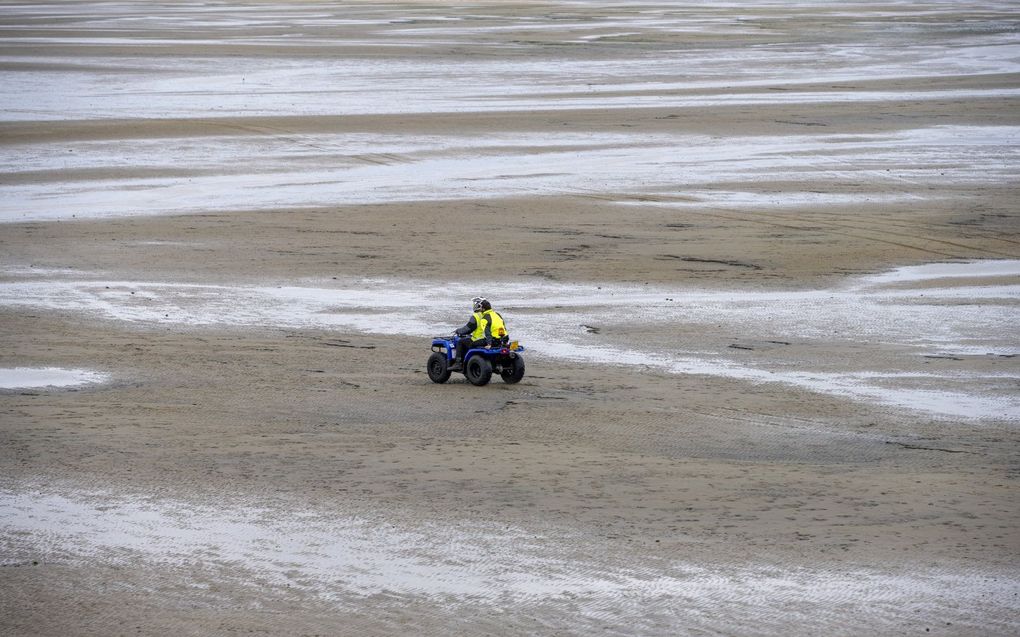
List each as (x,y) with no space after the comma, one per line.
(465,343)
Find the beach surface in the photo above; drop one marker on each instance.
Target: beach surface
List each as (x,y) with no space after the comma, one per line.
(764,259)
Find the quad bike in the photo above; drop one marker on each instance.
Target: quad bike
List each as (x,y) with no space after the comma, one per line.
(503,357)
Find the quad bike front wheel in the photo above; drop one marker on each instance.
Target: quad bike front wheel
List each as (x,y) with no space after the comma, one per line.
(478,371)
(438,369)
(514,372)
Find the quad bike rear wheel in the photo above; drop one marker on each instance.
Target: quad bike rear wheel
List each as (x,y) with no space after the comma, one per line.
(478,371)
(514,372)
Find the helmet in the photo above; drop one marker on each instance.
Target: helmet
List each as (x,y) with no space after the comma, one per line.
(476,303)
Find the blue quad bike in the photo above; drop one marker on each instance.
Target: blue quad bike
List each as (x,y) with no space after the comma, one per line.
(503,358)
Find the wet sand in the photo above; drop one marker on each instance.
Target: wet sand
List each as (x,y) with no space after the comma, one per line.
(764,259)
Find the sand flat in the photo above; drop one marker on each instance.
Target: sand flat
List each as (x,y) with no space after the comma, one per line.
(763,257)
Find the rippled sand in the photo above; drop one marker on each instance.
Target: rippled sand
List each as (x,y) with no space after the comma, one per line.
(764,257)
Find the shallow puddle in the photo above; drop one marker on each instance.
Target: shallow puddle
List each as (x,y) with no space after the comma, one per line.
(893,325)
(47,377)
(339,557)
(896,322)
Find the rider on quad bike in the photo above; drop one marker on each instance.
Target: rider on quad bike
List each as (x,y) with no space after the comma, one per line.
(484,328)
(478,350)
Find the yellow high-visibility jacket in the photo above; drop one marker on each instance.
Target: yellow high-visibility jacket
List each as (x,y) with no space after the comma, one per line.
(494,328)
(480,325)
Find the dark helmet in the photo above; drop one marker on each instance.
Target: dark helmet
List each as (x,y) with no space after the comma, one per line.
(478,304)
